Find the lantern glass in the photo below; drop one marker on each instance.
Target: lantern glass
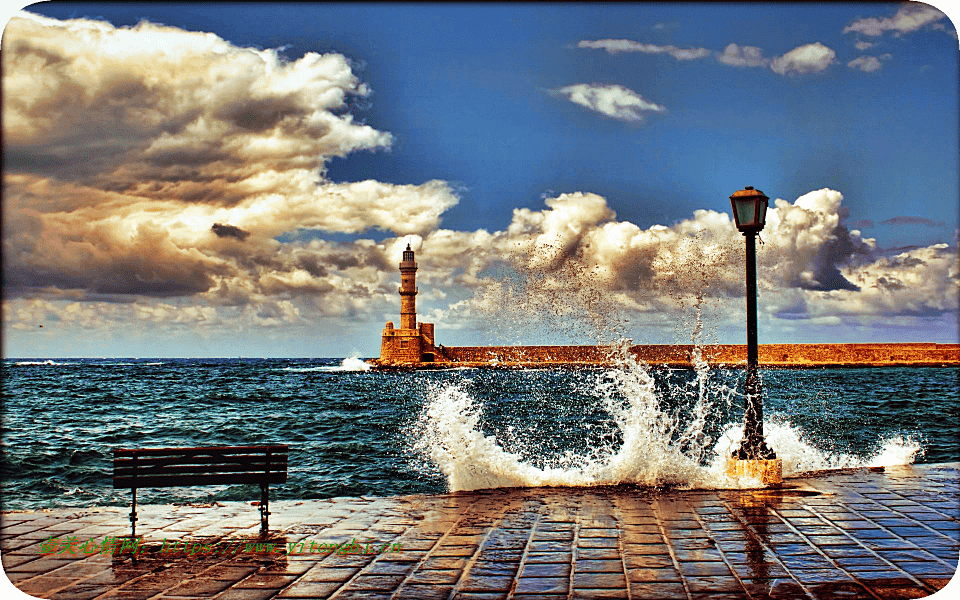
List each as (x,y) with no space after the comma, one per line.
(745,210)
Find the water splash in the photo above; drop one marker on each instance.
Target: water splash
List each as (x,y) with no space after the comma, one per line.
(680,435)
(662,437)
(354,363)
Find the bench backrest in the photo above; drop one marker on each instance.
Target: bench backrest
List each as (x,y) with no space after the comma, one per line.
(213,465)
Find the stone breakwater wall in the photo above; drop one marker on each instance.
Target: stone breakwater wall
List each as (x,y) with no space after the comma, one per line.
(679,355)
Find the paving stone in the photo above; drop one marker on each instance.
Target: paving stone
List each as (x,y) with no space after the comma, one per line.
(655,561)
(434,577)
(424,592)
(200,587)
(375,582)
(483,583)
(598,543)
(653,575)
(550,557)
(546,570)
(543,585)
(657,591)
(583,580)
(598,553)
(245,594)
(613,594)
(311,589)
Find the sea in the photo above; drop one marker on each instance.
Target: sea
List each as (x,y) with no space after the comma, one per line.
(354,431)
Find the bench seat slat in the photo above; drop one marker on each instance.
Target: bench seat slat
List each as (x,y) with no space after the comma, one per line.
(188,480)
(248,461)
(198,469)
(219,450)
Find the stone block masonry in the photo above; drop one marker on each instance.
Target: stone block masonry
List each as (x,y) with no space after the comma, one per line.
(679,356)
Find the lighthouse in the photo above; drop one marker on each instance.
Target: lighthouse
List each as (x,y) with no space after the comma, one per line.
(412,343)
(408,290)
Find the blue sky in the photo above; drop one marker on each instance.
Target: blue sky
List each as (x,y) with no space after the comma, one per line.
(659,110)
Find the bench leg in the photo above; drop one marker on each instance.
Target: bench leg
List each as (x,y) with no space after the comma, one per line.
(264,507)
(133,514)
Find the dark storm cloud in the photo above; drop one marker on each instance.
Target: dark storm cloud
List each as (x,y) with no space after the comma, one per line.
(230,231)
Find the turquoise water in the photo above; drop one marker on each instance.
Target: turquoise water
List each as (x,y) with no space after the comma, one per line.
(359,432)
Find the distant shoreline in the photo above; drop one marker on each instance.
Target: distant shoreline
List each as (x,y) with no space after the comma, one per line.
(784,356)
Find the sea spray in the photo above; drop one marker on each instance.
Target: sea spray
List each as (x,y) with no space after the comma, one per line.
(355,363)
(352,363)
(643,451)
(678,432)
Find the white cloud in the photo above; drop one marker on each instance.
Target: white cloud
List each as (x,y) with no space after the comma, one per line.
(611,100)
(910,17)
(574,259)
(571,267)
(163,105)
(810,58)
(619,46)
(868,64)
(743,56)
(864,45)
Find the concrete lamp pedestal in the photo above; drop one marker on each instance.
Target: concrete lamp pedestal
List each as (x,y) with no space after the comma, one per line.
(769,472)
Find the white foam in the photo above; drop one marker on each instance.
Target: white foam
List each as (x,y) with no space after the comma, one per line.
(450,436)
(352,363)
(40,362)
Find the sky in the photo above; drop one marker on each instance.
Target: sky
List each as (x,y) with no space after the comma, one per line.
(201,180)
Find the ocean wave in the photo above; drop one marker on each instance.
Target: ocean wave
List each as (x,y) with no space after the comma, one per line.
(351,364)
(651,445)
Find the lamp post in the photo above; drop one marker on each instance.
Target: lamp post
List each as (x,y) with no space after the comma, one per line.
(753,457)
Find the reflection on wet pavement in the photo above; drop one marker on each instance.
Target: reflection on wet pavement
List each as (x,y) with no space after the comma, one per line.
(844,534)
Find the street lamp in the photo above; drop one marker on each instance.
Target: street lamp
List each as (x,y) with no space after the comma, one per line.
(753,457)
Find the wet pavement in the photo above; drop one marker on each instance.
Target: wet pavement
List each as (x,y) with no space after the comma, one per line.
(843,534)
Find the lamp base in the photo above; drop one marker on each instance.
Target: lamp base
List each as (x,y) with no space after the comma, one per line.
(769,472)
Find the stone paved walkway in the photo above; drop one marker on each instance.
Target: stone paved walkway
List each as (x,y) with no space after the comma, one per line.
(848,534)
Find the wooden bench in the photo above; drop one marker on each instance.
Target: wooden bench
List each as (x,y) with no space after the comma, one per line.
(213,465)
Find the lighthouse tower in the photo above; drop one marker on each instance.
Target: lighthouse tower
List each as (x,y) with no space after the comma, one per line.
(412,343)
(408,290)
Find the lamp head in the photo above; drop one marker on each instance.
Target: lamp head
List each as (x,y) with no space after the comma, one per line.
(749,209)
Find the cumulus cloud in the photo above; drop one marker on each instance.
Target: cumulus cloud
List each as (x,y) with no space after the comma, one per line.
(743,56)
(620,46)
(910,17)
(611,100)
(575,259)
(150,161)
(169,112)
(810,58)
